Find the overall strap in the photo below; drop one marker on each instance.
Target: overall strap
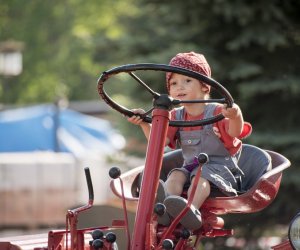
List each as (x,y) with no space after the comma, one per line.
(179,115)
(209,112)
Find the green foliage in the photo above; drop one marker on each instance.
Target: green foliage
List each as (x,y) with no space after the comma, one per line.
(252,47)
(61,39)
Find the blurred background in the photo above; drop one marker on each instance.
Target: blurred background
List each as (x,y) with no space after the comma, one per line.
(53,123)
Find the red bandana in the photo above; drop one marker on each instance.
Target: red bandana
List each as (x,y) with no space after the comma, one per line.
(191,61)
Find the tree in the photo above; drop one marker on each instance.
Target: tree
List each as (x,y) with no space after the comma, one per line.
(252,47)
(61,41)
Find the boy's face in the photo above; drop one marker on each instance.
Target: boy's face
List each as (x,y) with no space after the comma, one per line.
(187,88)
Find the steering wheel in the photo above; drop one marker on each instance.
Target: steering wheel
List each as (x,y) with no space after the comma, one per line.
(130,68)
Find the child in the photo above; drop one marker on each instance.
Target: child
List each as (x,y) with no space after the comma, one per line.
(220,141)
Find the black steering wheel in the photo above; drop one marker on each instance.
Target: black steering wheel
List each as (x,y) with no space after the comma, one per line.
(130,68)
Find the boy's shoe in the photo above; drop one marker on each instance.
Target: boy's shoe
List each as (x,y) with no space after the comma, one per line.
(160,197)
(175,204)
(161,192)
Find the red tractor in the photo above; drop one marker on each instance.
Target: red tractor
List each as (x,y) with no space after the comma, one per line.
(140,185)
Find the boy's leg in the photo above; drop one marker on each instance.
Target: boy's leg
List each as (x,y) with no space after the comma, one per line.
(173,185)
(161,192)
(160,197)
(175,204)
(202,192)
(191,220)
(175,182)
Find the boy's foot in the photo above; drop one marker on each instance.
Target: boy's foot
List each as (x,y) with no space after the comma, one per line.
(160,197)
(175,204)
(161,192)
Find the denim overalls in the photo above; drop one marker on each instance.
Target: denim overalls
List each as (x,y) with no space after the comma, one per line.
(221,169)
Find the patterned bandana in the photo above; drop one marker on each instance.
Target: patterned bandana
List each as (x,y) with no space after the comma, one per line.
(191,61)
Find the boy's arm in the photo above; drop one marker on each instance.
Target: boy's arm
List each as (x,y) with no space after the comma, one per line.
(137,120)
(236,121)
(146,127)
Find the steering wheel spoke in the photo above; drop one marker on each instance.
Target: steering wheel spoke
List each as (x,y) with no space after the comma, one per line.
(154,94)
(177,102)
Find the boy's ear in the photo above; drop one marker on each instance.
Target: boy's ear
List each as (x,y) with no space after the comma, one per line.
(205,88)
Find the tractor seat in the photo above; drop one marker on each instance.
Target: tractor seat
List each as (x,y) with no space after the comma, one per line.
(131,183)
(263,173)
(260,191)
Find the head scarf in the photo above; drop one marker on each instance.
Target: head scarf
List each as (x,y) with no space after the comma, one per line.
(191,61)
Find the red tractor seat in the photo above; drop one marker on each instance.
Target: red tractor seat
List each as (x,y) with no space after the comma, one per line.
(263,173)
(258,196)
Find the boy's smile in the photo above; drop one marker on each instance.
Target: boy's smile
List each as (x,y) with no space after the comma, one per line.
(180,95)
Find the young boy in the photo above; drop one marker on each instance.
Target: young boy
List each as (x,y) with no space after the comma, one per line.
(220,141)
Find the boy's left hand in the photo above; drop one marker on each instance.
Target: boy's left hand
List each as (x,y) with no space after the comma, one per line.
(231,113)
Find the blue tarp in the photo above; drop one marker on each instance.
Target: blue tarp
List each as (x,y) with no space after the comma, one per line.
(47,128)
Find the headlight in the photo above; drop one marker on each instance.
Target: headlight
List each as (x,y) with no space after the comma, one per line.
(294,232)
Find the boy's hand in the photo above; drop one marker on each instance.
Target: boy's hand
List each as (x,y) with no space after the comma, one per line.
(231,113)
(136,119)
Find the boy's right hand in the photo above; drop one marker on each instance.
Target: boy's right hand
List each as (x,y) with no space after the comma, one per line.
(136,119)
